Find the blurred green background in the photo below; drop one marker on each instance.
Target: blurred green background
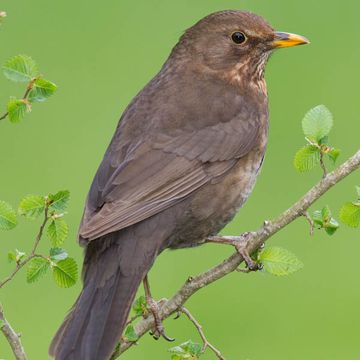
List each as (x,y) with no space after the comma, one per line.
(100,55)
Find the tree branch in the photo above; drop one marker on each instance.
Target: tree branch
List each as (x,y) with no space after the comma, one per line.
(200,330)
(32,255)
(255,240)
(12,337)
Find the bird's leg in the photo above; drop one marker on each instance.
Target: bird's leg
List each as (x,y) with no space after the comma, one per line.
(159,330)
(240,243)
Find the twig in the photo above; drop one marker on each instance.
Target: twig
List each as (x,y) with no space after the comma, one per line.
(27,92)
(322,164)
(256,239)
(310,221)
(12,337)
(32,255)
(206,343)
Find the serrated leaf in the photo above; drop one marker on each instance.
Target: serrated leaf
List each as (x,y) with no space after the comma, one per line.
(8,218)
(187,350)
(16,109)
(317,123)
(326,214)
(36,269)
(140,306)
(60,200)
(278,261)
(65,272)
(307,158)
(130,334)
(42,89)
(334,154)
(350,214)
(57,254)
(32,206)
(20,68)
(331,226)
(317,218)
(57,232)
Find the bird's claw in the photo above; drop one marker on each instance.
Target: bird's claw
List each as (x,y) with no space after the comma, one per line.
(159,330)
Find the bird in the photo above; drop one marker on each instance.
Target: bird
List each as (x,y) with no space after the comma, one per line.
(183,160)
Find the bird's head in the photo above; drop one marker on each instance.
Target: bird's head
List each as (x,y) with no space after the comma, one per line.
(234,43)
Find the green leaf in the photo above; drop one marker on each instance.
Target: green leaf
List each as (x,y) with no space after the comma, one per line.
(331,226)
(37,268)
(333,155)
(307,158)
(60,200)
(318,219)
(130,334)
(8,218)
(350,214)
(32,206)
(65,272)
(140,306)
(20,68)
(278,261)
(17,109)
(57,232)
(187,350)
(317,123)
(326,214)
(42,89)
(57,254)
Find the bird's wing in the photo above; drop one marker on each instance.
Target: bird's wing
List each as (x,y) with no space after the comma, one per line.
(161,171)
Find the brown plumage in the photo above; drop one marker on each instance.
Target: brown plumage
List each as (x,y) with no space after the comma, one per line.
(183,160)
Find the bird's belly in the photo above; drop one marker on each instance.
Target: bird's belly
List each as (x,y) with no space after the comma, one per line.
(214,205)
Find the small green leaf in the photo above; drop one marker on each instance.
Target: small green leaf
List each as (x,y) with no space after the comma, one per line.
(278,261)
(318,219)
(32,206)
(317,123)
(326,214)
(37,268)
(140,306)
(11,256)
(60,200)
(42,89)
(333,155)
(130,334)
(57,232)
(8,218)
(187,350)
(17,109)
(20,68)
(57,254)
(307,158)
(65,272)
(350,214)
(331,226)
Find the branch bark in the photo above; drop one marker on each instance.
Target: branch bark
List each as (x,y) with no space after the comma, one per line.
(255,240)
(12,337)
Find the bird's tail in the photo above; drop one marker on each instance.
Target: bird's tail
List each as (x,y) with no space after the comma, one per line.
(114,267)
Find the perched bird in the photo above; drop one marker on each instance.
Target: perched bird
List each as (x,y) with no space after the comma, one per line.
(184,158)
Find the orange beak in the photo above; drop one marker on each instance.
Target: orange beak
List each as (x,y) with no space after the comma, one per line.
(283,39)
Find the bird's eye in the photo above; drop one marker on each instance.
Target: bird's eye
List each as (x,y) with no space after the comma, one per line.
(238,37)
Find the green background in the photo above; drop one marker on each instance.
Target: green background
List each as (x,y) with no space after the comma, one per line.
(101,54)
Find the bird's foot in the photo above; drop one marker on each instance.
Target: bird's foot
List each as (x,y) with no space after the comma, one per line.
(240,243)
(159,330)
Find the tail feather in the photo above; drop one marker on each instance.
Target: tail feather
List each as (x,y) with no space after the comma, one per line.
(113,269)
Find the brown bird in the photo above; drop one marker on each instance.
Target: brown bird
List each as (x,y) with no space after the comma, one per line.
(184,158)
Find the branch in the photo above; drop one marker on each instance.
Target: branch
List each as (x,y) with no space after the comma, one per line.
(256,239)
(32,255)
(12,337)
(24,98)
(205,341)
